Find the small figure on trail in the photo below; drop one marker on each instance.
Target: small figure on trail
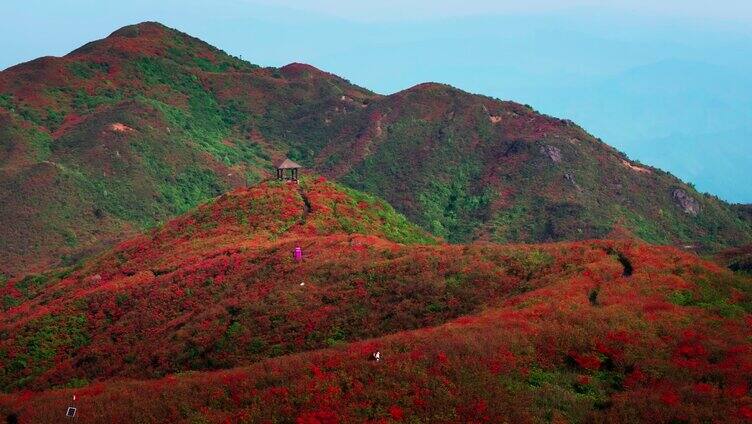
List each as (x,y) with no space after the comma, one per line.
(377,356)
(298,254)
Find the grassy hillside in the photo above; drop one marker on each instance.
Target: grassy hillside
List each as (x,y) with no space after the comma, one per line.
(128,131)
(468,167)
(209,319)
(227,264)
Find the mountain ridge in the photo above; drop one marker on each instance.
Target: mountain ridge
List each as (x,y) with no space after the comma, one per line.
(145,124)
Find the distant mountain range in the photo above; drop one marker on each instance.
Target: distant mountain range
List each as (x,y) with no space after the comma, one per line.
(709,105)
(126,132)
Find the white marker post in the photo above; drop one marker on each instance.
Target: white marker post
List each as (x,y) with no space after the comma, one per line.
(71,411)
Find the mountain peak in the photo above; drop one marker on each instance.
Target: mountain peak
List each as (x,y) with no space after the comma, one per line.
(433,88)
(140,29)
(145,39)
(276,210)
(297,70)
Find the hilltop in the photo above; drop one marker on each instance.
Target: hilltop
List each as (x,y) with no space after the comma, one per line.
(143,304)
(126,132)
(208,318)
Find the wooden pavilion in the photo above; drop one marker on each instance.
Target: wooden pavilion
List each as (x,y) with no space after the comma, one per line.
(287,170)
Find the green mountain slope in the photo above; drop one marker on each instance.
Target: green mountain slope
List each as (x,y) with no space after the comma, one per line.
(128,131)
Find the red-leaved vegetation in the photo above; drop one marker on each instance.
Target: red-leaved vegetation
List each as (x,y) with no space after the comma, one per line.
(210,319)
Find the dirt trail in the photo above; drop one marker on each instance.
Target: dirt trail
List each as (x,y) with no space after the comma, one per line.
(623,260)
(306,205)
(627,267)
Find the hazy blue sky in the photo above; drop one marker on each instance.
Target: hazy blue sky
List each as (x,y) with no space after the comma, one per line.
(669,82)
(394,10)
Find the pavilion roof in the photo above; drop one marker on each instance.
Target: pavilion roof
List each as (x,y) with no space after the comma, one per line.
(287,164)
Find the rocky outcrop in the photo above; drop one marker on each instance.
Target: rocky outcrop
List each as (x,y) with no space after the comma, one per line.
(552,152)
(689,204)
(635,167)
(569,177)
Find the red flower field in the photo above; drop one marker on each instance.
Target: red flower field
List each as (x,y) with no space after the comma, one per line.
(209,319)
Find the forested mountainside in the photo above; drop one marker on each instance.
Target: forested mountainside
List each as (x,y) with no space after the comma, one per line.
(128,131)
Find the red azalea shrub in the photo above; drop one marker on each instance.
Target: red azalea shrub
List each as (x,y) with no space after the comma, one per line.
(474,333)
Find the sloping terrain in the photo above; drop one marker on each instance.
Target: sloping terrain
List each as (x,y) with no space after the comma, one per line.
(128,131)
(738,259)
(208,318)
(219,287)
(468,167)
